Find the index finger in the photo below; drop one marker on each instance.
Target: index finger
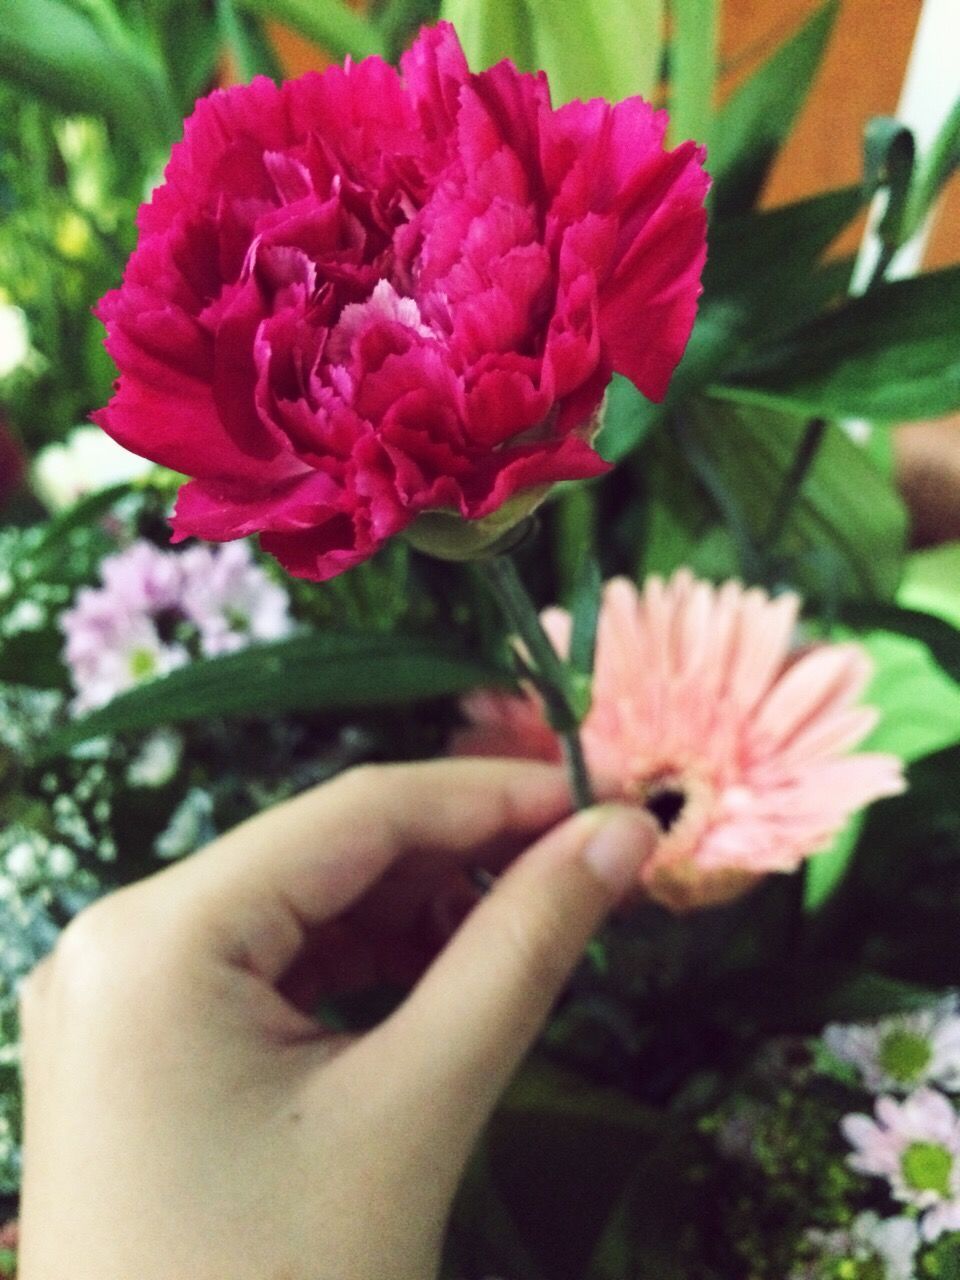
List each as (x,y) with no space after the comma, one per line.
(303,863)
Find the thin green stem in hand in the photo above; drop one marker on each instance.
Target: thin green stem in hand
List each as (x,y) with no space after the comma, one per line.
(545,666)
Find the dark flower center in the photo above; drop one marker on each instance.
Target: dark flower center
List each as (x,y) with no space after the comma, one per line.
(666,806)
(168,623)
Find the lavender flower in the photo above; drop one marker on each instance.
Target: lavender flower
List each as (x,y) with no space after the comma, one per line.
(915,1146)
(231,600)
(155,610)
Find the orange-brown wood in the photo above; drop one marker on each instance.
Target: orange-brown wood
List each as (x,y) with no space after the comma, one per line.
(861,76)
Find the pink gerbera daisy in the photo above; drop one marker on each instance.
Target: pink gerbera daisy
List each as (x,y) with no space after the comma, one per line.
(704,712)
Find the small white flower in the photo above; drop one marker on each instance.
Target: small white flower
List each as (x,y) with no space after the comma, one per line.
(14,339)
(190,826)
(157,760)
(898,1054)
(88,461)
(892,1241)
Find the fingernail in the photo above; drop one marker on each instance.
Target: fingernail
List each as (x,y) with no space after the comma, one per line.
(621,846)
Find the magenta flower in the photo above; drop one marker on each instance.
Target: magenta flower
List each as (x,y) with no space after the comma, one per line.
(703,713)
(364,296)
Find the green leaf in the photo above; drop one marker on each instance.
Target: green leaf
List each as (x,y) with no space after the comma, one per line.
(846,507)
(338,29)
(562,1153)
(934,170)
(252,52)
(867,996)
(585,612)
(941,638)
(597,48)
(888,156)
(308,673)
(763,278)
(693,69)
(916,669)
(890,356)
(627,417)
(80,63)
(932,582)
(490,30)
(753,124)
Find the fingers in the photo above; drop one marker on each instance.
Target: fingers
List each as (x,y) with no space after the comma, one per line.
(473,1016)
(305,862)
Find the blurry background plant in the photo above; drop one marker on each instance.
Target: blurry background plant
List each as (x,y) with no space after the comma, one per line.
(772,460)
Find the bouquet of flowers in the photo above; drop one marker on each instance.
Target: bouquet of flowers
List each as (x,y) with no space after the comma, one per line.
(488,412)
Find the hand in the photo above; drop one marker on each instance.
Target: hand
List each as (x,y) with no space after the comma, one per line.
(186,1119)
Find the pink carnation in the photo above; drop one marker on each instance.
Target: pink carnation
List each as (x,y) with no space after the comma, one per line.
(702,712)
(364,295)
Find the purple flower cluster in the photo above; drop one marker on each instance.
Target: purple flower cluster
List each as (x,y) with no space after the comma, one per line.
(156,610)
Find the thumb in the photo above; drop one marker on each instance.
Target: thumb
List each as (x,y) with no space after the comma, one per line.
(465,1028)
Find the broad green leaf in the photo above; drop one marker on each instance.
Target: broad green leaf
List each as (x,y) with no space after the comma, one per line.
(891,355)
(308,673)
(917,694)
(847,506)
(753,124)
(337,28)
(932,582)
(763,278)
(693,69)
(78,63)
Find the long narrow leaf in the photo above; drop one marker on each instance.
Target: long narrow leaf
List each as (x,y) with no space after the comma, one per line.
(64,56)
(251,51)
(335,27)
(753,124)
(330,672)
(693,69)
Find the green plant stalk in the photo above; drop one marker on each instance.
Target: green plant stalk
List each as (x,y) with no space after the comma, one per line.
(809,446)
(575,535)
(793,482)
(329,23)
(546,667)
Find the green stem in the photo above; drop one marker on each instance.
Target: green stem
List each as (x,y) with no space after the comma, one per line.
(793,482)
(547,668)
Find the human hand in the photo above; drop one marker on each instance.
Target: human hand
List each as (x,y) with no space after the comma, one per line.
(186,1119)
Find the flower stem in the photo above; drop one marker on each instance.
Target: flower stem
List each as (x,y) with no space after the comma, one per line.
(793,482)
(547,669)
